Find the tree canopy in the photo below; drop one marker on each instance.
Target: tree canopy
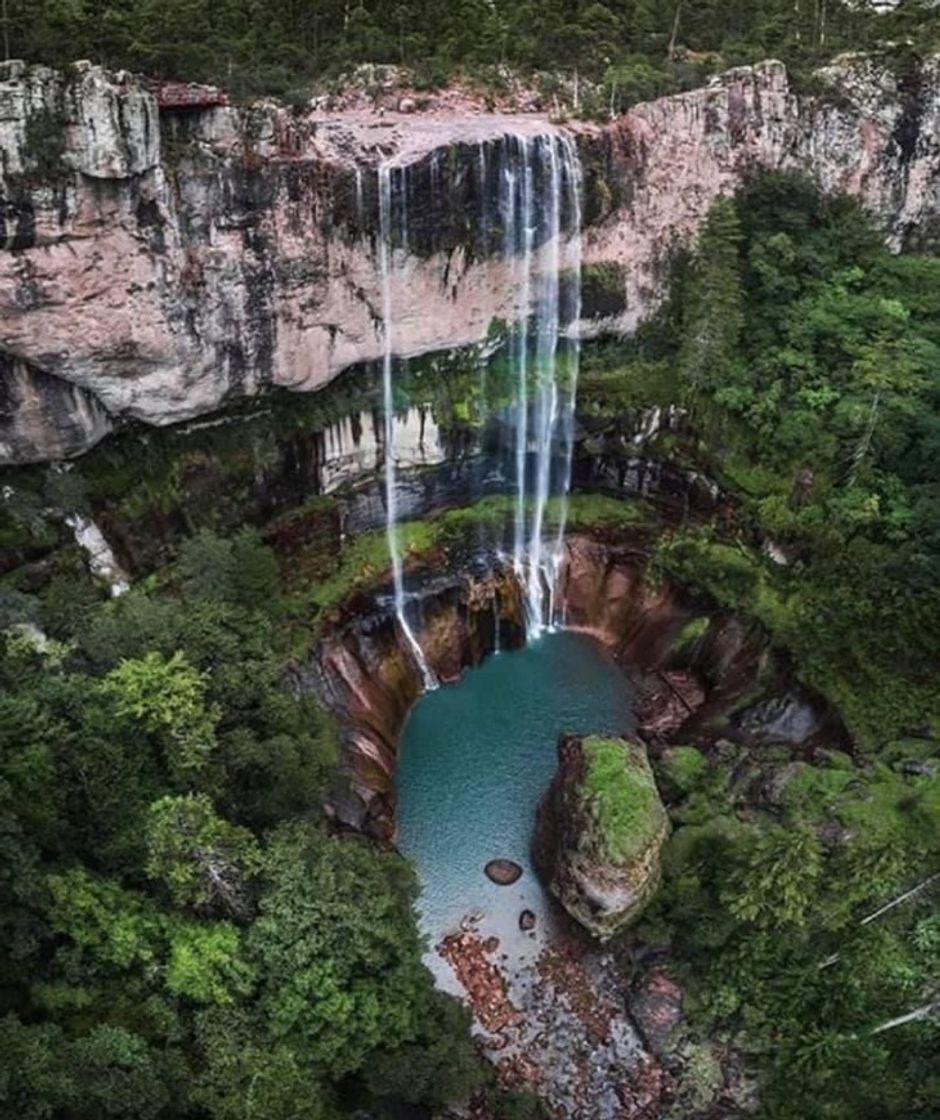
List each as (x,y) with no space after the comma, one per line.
(637,48)
(180,935)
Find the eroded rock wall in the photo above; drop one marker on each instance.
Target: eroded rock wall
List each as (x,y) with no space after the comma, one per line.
(658,168)
(164,259)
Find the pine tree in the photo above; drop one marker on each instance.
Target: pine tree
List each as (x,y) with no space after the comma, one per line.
(715,315)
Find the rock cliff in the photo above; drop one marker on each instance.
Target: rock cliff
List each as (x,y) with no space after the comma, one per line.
(162,255)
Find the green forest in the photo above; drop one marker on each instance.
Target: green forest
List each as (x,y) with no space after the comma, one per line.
(807,356)
(632,49)
(181,933)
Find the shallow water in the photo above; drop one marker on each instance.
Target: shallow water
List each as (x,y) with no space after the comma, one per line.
(475,758)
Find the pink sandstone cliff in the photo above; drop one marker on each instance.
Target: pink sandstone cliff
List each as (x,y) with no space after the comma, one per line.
(159,260)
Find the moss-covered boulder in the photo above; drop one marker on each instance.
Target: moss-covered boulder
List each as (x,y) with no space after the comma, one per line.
(599,831)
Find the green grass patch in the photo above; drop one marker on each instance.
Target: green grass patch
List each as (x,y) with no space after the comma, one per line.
(693,631)
(366,559)
(611,383)
(596,511)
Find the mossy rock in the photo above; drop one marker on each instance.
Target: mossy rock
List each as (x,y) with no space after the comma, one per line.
(683,769)
(599,832)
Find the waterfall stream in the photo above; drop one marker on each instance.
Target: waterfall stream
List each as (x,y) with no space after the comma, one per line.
(536,204)
(385,265)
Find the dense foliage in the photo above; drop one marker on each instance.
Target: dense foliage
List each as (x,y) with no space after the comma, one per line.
(804,925)
(799,900)
(180,934)
(637,49)
(808,358)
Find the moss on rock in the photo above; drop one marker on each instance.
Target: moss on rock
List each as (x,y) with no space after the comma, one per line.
(599,832)
(603,290)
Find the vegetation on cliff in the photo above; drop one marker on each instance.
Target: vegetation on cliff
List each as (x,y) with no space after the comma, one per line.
(806,357)
(631,50)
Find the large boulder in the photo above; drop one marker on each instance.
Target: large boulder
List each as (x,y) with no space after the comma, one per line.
(599,831)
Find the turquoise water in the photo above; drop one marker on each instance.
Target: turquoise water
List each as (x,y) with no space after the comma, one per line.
(476,756)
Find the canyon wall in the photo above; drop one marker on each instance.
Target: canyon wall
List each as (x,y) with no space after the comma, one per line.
(163,255)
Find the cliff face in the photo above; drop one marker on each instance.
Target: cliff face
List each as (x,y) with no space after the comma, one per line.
(162,255)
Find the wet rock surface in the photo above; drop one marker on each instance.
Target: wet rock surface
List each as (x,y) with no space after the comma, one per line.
(656,1007)
(362,673)
(558,1027)
(791,718)
(486,986)
(667,700)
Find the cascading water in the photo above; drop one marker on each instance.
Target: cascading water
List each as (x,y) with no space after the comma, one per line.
(385,254)
(541,188)
(538,192)
(570,341)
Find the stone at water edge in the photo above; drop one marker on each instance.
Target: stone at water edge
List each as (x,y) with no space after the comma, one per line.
(503,872)
(599,831)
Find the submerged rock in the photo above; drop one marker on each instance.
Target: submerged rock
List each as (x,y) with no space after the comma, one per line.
(482,980)
(599,831)
(504,872)
(527,921)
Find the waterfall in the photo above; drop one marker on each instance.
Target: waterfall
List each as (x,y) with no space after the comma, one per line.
(537,181)
(570,319)
(101,560)
(360,202)
(385,268)
(545,386)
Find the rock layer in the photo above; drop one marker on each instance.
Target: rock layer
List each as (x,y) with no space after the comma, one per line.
(162,258)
